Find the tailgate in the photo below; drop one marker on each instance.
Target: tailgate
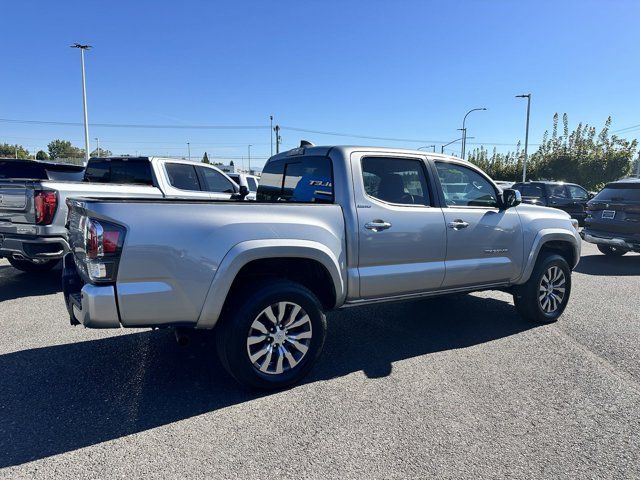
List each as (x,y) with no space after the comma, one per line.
(16,201)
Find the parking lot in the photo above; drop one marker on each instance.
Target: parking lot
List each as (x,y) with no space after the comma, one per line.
(458,387)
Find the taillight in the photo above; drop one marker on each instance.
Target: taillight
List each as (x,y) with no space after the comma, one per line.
(103,244)
(46,202)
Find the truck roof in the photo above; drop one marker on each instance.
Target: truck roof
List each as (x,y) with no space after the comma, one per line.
(347,149)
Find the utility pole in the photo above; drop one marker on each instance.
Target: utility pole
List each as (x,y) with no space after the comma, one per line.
(464,130)
(249,151)
(271,134)
(277,130)
(189,150)
(526,136)
(97,146)
(84,99)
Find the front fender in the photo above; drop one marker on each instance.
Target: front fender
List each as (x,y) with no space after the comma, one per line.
(243,253)
(544,236)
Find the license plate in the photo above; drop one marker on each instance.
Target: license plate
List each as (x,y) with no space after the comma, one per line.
(608,214)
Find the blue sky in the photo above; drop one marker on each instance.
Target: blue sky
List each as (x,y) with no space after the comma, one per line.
(403,69)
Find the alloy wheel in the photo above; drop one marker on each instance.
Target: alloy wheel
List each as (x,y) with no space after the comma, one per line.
(279,338)
(552,290)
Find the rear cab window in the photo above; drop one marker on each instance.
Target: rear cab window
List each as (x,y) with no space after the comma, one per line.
(529,190)
(297,180)
(134,171)
(22,169)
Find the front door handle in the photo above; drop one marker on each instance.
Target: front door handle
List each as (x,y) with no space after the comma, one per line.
(458,224)
(377,225)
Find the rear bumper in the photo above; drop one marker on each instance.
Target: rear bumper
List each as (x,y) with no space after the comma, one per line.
(90,305)
(612,240)
(32,247)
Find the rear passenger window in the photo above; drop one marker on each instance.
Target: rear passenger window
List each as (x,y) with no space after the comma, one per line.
(396,180)
(533,191)
(182,176)
(302,180)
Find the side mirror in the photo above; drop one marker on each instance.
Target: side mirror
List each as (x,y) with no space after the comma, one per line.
(244,191)
(591,195)
(511,198)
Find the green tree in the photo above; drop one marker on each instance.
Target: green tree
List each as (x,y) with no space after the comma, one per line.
(581,156)
(42,155)
(64,149)
(13,151)
(205,158)
(100,153)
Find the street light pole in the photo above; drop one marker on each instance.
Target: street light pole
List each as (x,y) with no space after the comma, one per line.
(84,99)
(97,146)
(464,130)
(526,136)
(271,129)
(428,146)
(189,150)
(249,157)
(452,141)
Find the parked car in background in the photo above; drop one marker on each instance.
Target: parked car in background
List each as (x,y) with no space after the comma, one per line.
(613,218)
(33,236)
(503,184)
(249,181)
(332,227)
(569,197)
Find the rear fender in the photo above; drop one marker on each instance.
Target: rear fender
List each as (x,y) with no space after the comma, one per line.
(245,252)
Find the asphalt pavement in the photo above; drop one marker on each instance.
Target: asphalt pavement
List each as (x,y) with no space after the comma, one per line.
(457,387)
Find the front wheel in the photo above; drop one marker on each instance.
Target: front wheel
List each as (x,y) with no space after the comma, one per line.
(612,251)
(545,295)
(32,267)
(271,339)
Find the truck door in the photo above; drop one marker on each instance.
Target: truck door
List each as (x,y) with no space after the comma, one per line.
(401,234)
(484,243)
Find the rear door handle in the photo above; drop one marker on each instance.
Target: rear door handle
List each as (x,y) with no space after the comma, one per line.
(377,225)
(458,224)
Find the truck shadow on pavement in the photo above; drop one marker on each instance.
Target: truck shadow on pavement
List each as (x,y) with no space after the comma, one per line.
(64,397)
(602,265)
(15,284)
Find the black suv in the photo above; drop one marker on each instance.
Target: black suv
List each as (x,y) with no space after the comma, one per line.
(613,218)
(569,197)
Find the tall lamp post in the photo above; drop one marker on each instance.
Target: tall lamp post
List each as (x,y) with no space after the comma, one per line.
(464,130)
(189,150)
(97,146)
(249,157)
(452,141)
(84,99)
(428,146)
(526,136)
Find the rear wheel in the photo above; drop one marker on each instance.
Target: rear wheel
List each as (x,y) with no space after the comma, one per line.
(272,339)
(35,266)
(612,251)
(545,295)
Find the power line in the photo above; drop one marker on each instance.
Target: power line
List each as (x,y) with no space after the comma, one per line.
(135,125)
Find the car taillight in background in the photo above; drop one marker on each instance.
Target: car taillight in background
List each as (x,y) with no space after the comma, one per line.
(102,244)
(46,203)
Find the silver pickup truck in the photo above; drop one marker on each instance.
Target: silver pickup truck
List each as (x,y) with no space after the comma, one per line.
(332,227)
(33,198)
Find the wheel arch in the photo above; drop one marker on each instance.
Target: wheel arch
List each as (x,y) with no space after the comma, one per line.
(558,241)
(247,261)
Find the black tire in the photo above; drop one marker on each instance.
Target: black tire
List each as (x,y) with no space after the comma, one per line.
(528,299)
(236,324)
(31,267)
(612,251)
